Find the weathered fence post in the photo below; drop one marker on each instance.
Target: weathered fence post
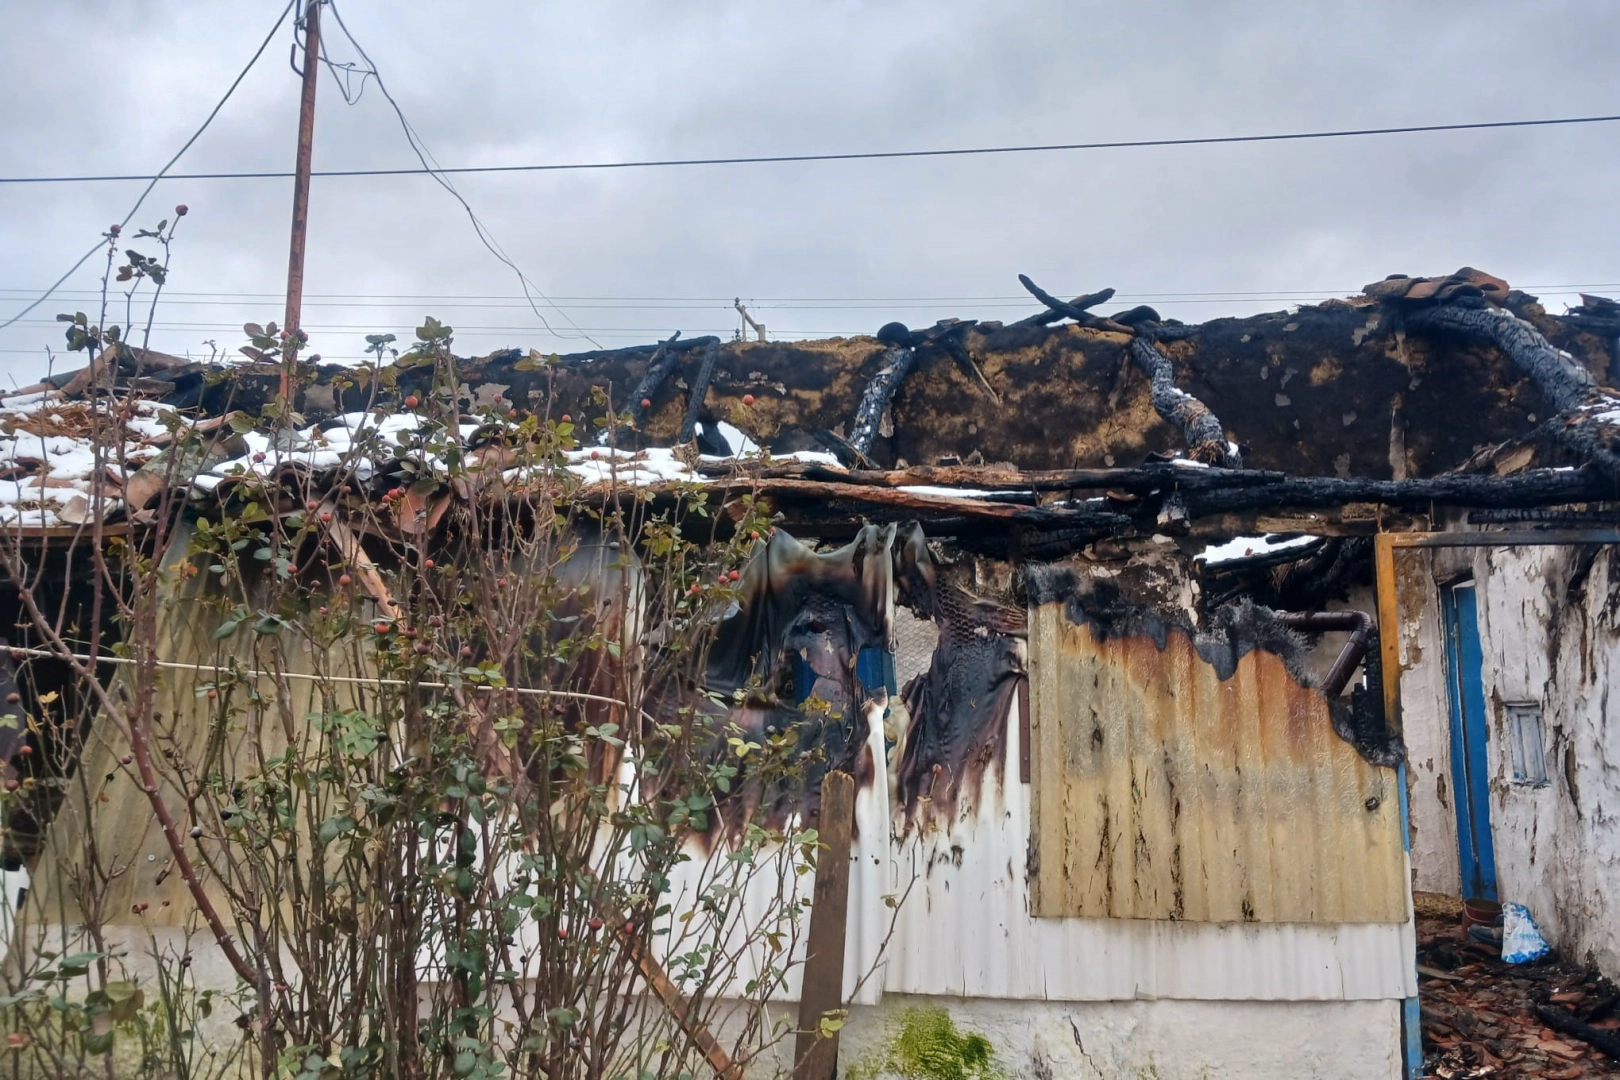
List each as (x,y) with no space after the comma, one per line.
(816,1055)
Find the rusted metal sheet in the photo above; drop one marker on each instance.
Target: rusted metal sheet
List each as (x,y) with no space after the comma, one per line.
(1162,791)
(966,929)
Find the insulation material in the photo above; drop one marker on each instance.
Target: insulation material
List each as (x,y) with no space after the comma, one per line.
(1165,792)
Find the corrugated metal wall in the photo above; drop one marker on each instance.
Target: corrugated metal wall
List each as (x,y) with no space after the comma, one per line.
(1162,791)
(209,733)
(966,930)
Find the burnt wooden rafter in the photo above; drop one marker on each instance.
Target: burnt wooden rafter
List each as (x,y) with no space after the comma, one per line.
(1070,309)
(659,366)
(1562,379)
(879,392)
(1206,439)
(700,390)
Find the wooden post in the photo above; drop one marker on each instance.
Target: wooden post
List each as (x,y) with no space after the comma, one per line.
(300,214)
(816,1057)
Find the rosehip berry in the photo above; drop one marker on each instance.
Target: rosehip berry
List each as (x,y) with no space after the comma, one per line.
(646,403)
(382,628)
(326,516)
(466,652)
(567,419)
(312,505)
(412,401)
(596,924)
(182,210)
(116,229)
(429,563)
(345,579)
(748,399)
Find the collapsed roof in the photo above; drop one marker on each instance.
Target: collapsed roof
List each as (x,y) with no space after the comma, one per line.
(1036,436)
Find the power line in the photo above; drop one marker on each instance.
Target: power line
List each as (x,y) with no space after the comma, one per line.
(873,155)
(161,173)
(1220,294)
(431,168)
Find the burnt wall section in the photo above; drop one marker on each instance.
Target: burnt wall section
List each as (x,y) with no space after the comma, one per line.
(1152,601)
(1335,389)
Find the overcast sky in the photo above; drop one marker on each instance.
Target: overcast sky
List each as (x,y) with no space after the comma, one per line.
(818,249)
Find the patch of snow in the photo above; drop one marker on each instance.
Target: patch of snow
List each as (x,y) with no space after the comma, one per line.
(948,492)
(1244,547)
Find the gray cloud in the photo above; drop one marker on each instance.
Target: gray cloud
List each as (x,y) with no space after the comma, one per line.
(102,86)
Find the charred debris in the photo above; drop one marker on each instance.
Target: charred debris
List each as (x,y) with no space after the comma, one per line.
(1076,458)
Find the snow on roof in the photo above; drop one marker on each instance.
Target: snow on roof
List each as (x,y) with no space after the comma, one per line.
(49,457)
(53,450)
(1247,547)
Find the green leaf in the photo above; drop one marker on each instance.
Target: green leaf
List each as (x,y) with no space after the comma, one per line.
(334,827)
(226,629)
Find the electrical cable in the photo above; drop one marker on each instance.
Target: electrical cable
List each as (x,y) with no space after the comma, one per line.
(431,167)
(161,173)
(874,155)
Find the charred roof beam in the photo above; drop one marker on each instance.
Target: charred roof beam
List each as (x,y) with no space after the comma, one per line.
(1206,439)
(1562,378)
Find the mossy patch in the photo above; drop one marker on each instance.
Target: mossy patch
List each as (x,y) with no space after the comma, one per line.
(924,1044)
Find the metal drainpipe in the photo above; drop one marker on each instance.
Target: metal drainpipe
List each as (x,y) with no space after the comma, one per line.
(1361,626)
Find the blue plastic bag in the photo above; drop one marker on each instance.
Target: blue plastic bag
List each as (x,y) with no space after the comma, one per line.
(1521,938)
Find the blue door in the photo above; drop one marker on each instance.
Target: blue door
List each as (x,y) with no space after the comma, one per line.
(1470,773)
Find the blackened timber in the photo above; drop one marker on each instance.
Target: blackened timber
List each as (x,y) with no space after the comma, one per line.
(700,391)
(1561,377)
(1205,491)
(879,392)
(1052,315)
(1559,1020)
(1140,480)
(1075,309)
(1537,487)
(661,363)
(1254,488)
(1206,439)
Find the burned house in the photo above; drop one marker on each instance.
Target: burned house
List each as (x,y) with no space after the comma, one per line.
(1166,659)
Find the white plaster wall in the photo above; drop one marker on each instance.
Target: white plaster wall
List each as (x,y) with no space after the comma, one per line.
(1426,727)
(1558,846)
(1157,1040)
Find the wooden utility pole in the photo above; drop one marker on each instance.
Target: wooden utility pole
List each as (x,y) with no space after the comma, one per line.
(300,214)
(822,989)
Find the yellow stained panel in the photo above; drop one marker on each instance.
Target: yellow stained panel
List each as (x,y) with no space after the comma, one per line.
(1163,792)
